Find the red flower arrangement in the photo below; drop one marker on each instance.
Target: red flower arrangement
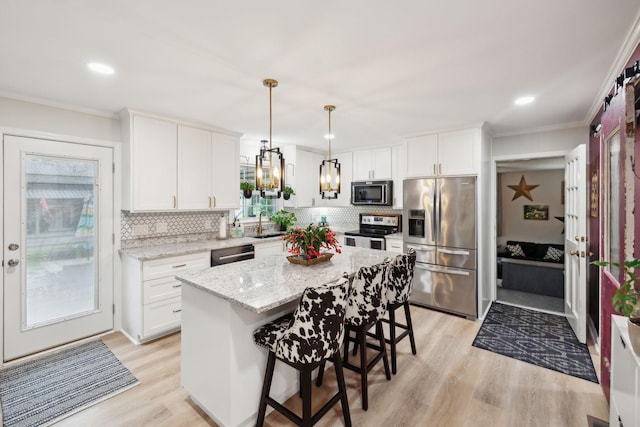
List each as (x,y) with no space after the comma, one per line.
(309,241)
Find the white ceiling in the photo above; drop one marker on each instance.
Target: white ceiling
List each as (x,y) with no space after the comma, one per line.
(392,69)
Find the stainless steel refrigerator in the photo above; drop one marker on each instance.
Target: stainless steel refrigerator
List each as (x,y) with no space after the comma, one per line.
(439,222)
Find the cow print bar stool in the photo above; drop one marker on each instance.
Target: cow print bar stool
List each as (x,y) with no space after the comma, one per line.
(366,306)
(399,286)
(304,340)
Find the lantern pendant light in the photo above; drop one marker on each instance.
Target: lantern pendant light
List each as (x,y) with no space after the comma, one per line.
(270,162)
(330,168)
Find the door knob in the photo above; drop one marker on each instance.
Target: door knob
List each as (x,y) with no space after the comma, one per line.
(13,262)
(573,253)
(590,253)
(13,246)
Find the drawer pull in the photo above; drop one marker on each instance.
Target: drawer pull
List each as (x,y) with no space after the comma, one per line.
(177,286)
(177,311)
(179,265)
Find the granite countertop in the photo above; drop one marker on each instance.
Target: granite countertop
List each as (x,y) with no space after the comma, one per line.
(266,283)
(147,253)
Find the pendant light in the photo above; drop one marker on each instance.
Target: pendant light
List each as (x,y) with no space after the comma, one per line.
(270,162)
(330,168)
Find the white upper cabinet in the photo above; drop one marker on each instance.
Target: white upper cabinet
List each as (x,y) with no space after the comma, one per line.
(372,164)
(225,171)
(447,153)
(194,168)
(398,172)
(153,165)
(307,179)
(172,166)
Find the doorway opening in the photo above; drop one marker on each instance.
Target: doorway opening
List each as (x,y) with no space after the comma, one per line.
(530,233)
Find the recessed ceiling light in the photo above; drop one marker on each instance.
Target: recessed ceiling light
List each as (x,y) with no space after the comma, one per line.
(524,100)
(99,68)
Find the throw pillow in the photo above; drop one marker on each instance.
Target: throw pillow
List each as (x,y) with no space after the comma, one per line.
(553,254)
(516,251)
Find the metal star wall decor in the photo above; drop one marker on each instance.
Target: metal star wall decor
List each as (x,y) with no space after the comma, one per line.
(522,189)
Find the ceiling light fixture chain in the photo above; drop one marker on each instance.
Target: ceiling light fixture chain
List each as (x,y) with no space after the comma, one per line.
(270,182)
(329,168)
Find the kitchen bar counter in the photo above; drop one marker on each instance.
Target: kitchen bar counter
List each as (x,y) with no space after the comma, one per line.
(266,283)
(222,368)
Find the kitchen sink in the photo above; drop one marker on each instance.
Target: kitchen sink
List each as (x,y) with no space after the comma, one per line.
(266,236)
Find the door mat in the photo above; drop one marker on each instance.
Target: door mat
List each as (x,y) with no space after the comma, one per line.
(44,390)
(542,339)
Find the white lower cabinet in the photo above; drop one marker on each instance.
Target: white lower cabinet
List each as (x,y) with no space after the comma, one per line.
(270,247)
(393,245)
(624,407)
(151,298)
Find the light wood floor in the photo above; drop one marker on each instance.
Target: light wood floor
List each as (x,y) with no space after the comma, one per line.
(449,383)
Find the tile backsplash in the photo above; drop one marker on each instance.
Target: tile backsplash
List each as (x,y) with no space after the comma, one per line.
(144,229)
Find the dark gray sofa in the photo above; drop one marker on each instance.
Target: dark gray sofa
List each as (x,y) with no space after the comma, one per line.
(533,267)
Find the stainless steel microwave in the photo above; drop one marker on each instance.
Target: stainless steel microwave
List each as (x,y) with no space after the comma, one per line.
(378,193)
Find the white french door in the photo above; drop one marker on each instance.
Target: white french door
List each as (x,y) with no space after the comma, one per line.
(575,264)
(58,247)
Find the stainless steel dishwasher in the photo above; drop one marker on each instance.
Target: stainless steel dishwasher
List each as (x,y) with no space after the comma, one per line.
(231,254)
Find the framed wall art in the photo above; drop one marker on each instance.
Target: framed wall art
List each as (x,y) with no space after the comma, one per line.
(540,212)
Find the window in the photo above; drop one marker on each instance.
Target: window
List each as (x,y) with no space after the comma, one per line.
(250,208)
(613,203)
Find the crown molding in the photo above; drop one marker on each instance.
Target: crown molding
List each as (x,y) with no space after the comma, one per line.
(60,105)
(623,56)
(550,128)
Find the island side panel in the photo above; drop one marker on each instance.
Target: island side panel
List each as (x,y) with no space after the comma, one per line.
(222,368)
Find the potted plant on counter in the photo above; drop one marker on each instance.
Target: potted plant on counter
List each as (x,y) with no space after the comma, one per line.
(247,189)
(626,299)
(288,192)
(284,219)
(306,244)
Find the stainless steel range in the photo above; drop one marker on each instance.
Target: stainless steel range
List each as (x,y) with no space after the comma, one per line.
(373,228)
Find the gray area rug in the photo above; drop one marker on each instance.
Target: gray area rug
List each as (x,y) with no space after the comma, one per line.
(542,339)
(41,391)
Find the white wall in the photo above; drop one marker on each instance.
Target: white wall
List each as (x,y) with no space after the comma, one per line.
(513,226)
(17,114)
(541,142)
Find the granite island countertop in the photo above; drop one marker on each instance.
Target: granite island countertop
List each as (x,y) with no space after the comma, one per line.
(266,283)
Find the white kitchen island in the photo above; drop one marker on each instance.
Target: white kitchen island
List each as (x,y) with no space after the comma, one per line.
(222,368)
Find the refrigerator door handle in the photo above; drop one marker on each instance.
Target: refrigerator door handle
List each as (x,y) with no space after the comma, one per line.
(452,252)
(434,216)
(438,207)
(442,270)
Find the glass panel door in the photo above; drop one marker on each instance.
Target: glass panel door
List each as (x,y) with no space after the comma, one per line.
(58,243)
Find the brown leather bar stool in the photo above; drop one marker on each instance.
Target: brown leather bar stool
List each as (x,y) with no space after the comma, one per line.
(366,306)
(304,340)
(399,286)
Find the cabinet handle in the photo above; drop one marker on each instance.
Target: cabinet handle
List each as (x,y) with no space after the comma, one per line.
(177,311)
(623,343)
(209,201)
(176,286)
(439,168)
(434,169)
(179,265)
(215,202)
(175,202)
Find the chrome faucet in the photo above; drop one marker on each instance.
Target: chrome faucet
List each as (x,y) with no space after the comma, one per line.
(260,222)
